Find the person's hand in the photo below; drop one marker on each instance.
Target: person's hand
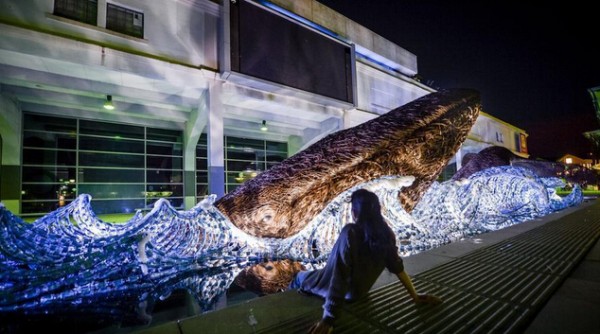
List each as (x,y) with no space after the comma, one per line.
(320,328)
(428,299)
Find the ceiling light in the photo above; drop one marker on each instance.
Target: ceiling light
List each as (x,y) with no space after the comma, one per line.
(264,127)
(108,105)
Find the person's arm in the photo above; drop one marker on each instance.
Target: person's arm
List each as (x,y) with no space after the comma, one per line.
(418,298)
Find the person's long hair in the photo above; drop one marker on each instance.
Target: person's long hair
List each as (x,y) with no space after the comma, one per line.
(367,211)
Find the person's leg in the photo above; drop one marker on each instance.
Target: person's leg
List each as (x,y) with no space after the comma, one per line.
(296,283)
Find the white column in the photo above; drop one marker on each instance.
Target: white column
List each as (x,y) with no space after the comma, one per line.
(193,130)
(10,172)
(216,159)
(101,18)
(458,157)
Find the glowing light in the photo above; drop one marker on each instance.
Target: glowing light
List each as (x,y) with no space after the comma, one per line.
(108,104)
(569,161)
(264,127)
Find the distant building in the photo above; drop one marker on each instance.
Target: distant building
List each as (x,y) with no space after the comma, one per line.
(569,159)
(488,131)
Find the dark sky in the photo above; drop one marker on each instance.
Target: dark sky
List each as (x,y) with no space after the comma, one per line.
(532,64)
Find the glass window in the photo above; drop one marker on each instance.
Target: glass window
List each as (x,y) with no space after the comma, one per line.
(246,158)
(111,160)
(114,144)
(52,174)
(172,136)
(201,191)
(164,148)
(103,206)
(201,168)
(106,160)
(164,176)
(39,206)
(51,124)
(32,191)
(164,190)
(277,147)
(112,130)
(85,11)
(164,162)
(113,175)
(49,140)
(48,157)
(124,20)
(112,190)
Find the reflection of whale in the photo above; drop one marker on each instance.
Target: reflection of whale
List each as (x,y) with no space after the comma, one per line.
(416,139)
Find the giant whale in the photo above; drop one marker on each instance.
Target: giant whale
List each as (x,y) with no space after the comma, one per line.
(416,139)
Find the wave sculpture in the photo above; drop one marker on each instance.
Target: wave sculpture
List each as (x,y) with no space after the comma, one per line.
(69,262)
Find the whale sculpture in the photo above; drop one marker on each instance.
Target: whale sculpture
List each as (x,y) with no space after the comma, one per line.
(416,139)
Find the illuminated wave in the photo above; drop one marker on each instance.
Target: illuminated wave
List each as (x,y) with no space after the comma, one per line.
(69,261)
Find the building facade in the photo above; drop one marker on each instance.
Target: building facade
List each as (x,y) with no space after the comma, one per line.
(198,102)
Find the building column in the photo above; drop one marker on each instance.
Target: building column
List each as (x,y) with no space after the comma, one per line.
(216,159)
(10,173)
(193,130)
(458,156)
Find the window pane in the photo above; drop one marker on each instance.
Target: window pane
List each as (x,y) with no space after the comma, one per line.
(111,129)
(53,174)
(41,207)
(164,148)
(174,136)
(47,191)
(201,190)
(246,144)
(236,165)
(154,161)
(276,146)
(48,157)
(238,155)
(49,140)
(164,190)
(201,164)
(240,177)
(111,160)
(124,20)
(52,124)
(112,175)
(103,206)
(201,152)
(114,144)
(231,187)
(112,190)
(79,10)
(274,157)
(164,176)
(203,141)
(201,177)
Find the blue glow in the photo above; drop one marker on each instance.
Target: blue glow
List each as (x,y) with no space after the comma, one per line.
(71,261)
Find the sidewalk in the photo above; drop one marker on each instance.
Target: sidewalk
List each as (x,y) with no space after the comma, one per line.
(541,276)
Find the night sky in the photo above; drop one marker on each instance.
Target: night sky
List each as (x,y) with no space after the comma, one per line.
(532,64)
